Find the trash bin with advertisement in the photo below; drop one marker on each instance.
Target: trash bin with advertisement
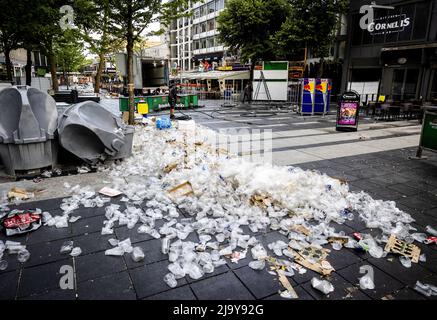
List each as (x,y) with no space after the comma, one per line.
(428,136)
(348,112)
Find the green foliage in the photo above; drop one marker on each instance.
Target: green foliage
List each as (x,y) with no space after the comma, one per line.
(69,51)
(248,27)
(277,29)
(310,24)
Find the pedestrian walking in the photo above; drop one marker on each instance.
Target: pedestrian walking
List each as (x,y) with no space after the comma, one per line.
(172,96)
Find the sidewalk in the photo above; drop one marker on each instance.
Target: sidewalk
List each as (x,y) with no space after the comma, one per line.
(374,160)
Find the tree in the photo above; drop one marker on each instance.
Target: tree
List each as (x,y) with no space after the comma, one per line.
(311,25)
(48,32)
(93,21)
(69,52)
(248,27)
(10,30)
(129,19)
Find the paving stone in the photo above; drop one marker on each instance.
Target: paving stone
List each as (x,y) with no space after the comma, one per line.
(222,287)
(92,242)
(219,270)
(404,188)
(181,293)
(342,258)
(408,276)
(90,212)
(148,280)
(384,284)
(13,263)
(405,294)
(8,285)
(44,252)
(420,202)
(113,287)
(97,265)
(152,253)
(41,278)
(260,283)
(56,294)
(124,233)
(301,293)
(343,290)
(45,234)
(88,225)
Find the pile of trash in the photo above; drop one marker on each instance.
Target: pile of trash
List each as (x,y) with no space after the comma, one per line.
(213,205)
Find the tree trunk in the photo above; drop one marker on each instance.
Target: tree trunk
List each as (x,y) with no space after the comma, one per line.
(99,73)
(130,69)
(52,62)
(321,68)
(28,67)
(8,65)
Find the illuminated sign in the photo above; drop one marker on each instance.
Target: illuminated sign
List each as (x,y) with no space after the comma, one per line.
(389,24)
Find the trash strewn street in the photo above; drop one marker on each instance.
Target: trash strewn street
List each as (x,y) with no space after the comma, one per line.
(195,212)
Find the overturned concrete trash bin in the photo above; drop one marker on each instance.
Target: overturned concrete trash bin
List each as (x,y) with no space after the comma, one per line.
(28,122)
(92,133)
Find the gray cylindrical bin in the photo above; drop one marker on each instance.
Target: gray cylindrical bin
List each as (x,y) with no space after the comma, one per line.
(92,133)
(28,121)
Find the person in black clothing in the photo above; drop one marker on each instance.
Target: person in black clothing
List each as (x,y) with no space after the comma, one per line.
(172,96)
(247,95)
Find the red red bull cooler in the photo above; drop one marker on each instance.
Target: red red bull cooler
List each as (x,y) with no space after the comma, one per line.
(322,96)
(308,96)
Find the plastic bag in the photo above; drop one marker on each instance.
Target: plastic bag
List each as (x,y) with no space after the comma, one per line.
(322,285)
(137,254)
(257,265)
(170,280)
(21,221)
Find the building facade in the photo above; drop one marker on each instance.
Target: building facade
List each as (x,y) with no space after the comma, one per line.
(19,61)
(393,54)
(194,39)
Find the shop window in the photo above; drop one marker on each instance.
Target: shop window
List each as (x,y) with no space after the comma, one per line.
(421,21)
(408,11)
(404,84)
(433,93)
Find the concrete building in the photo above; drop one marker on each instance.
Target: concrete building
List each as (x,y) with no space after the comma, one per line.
(396,55)
(194,39)
(18,59)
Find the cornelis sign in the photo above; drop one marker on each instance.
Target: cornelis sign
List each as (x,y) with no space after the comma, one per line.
(394,23)
(389,24)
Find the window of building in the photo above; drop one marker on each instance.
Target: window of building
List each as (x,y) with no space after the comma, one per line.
(210,43)
(196,13)
(203,11)
(203,44)
(196,44)
(211,7)
(203,27)
(219,4)
(211,25)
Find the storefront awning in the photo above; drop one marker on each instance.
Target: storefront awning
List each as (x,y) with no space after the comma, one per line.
(217,75)
(411,47)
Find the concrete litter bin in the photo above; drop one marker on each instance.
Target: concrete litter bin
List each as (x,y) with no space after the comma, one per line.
(28,122)
(92,133)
